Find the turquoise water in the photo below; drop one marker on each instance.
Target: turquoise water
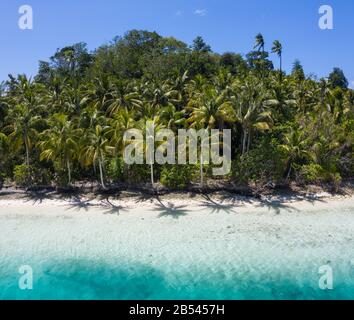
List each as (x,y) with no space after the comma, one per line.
(104,260)
(82,279)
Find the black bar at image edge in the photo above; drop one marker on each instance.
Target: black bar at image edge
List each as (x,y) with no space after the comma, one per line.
(174,309)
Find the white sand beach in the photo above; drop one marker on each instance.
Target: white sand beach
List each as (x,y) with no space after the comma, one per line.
(219,236)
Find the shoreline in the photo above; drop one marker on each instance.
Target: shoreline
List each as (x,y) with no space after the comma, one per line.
(174,201)
(122,190)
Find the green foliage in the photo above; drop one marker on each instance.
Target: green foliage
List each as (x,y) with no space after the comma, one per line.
(176,177)
(298,71)
(337,79)
(312,173)
(60,174)
(199,45)
(336,180)
(137,173)
(72,117)
(115,169)
(25,176)
(263,163)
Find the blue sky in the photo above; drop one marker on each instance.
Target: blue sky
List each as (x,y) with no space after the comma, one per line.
(227,25)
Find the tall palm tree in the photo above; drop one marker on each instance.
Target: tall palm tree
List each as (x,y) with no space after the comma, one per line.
(121,123)
(296,147)
(259,42)
(150,142)
(278,50)
(60,142)
(26,114)
(23,128)
(95,146)
(250,109)
(209,110)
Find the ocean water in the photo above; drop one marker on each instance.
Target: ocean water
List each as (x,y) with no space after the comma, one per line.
(87,254)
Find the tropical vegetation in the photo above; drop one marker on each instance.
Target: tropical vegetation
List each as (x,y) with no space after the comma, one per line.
(66,125)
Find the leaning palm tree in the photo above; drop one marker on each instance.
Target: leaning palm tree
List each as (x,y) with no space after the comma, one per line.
(259,42)
(278,50)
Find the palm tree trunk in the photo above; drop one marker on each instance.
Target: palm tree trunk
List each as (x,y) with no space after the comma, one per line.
(281,64)
(100,164)
(152,174)
(27,159)
(69,170)
(27,151)
(201,170)
(27,155)
(248,141)
(244,141)
(281,68)
(289,170)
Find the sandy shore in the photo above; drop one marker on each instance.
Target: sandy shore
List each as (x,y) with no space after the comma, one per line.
(188,201)
(203,247)
(311,218)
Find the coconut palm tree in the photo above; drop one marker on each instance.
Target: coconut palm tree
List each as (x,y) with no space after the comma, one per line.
(122,122)
(60,142)
(73,100)
(278,50)
(280,99)
(154,124)
(259,42)
(123,95)
(250,109)
(295,147)
(209,110)
(98,93)
(95,146)
(54,97)
(23,128)
(171,118)
(26,114)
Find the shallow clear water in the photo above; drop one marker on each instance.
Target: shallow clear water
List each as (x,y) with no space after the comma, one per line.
(88,255)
